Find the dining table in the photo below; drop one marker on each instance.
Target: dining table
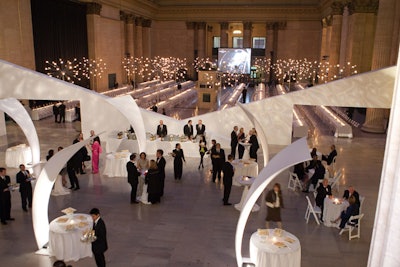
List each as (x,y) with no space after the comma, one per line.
(333,207)
(244,168)
(246,182)
(275,247)
(115,164)
(16,155)
(65,237)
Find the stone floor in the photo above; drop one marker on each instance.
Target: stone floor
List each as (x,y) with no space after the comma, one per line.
(191,227)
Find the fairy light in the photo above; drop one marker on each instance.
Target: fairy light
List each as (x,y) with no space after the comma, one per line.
(92,67)
(66,70)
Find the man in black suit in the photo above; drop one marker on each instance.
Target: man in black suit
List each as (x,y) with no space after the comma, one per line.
(254,144)
(133,177)
(329,158)
(55,112)
(5,197)
(73,167)
(99,246)
(234,141)
(188,130)
(228,171)
(162,130)
(323,190)
(218,159)
(200,128)
(25,187)
(319,174)
(61,110)
(161,168)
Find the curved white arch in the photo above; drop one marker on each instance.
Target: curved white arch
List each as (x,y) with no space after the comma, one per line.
(292,154)
(260,132)
(44,184)
(18,113)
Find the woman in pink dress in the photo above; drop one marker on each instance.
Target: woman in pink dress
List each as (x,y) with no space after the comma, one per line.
(96,150)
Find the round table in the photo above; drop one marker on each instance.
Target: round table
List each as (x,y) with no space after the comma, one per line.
(16,155)
(244,168)
(246,154)
(332,210)
(275,251)
(66,244)
(116,164)
(246,182)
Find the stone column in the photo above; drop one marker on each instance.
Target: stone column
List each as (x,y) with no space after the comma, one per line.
(190,27)
(344,35)
(323,52)
(129,35)
(247,29)
(224,34)
(146,26)
(386,236)
(270,39)
(201,39)
(334,50)
(275,26)
(139,37)
(376,119)
(93,28)
(328,35)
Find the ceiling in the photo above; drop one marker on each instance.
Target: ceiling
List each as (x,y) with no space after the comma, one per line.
(235,2)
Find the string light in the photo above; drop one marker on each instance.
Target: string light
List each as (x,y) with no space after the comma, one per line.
(66,70)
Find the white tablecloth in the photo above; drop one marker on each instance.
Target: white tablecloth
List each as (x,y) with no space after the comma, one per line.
(246,154)
(244,168)
(116,164)
(263,252)
(246,182)
(17,155)
(66,244)
(332,211)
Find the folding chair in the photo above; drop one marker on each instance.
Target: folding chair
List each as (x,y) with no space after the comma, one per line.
(294,182)
(362,199)
(334,182)
(353,223)
(312,209)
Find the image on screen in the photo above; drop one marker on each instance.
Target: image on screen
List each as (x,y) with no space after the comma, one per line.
(232,60)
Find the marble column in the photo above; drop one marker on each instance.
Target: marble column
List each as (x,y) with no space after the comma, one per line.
(146,27)
(334,49)
(224,34)
(344,35)
(247,29)
(129,35)
(276,26)
(192,56)
(328,36)
(139,37)
(386,235)
(323,52)
(201,39)
(93,28)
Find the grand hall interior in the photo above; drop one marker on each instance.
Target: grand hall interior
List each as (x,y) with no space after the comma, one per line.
(199,133)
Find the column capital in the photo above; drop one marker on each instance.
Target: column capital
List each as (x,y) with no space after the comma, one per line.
(138,21)
(276,25)
(93,8)
(329,21)
(367,6)
(337,8)
(201,25)
(190,25)
(247,25)
(224,25)
(146,23)
(209,28)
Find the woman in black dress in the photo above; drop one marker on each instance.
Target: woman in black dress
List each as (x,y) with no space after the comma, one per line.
(153,181)
(254,144)
(241,137)
(202,150)
(274,204)
(179,157)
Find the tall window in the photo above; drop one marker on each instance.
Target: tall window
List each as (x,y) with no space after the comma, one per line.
(216,42)
(259,42)
(237,42)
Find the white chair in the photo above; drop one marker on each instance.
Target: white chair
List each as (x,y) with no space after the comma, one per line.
(332,168)
(361,202)
(312,209)
(353,223)
(334,182)
(294,182)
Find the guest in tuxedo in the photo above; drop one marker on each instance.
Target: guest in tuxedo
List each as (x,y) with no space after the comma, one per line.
(133,177)
(56,112)
(241,138)
(5,197)
(49,154)
(300,171)
(82,155)
(351,192)
(153,181)
(25,187)
(73,167)
(61,110)
(99,246)
(274,203)
(188,130)
(228,171)
(234,141)
(352,210)
(202,150)
(161,168)
(218,156)
(200,128)
(179,157)
(319,174)
(329,158)
(254,144)
(162,130)
(323,190)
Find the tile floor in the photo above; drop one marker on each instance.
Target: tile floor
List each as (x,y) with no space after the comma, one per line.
(191,227)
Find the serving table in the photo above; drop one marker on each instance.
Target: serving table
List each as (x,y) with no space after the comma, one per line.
(116,164)
(16,155)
